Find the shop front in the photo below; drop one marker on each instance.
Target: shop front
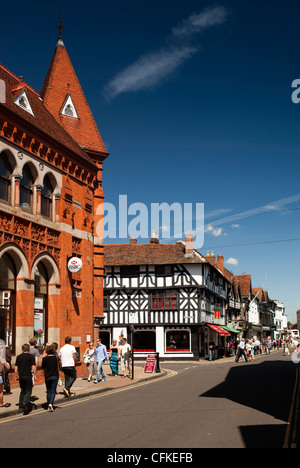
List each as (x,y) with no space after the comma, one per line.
(169,342)
(215,336)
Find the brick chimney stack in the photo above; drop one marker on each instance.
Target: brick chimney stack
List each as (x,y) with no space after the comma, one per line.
(189,245)
(154,238)
(220,261)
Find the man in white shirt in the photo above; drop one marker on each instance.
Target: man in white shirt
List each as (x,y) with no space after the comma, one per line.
(68,358)
(125,356)
(241,351)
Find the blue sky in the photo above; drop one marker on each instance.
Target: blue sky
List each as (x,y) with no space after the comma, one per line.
(193,101)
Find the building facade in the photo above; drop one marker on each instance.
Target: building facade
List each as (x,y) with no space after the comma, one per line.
(51,156)
(169,294)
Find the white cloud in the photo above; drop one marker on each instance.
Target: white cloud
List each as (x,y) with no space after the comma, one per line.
(215,232)
(148,71)
(152,69)
(232,261)
(235,226)
(200,21)
(270,207)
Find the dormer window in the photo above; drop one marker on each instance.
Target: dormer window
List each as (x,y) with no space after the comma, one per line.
(23,102)
(68,108)
(69,111)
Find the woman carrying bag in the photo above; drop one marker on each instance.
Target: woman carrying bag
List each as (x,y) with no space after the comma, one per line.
(89,360)
(50,365)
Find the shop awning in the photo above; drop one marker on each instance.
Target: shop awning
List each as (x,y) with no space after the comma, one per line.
(232,330)
(218,329)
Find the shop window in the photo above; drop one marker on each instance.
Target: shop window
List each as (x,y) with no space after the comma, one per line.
(40,305)
(144,341)
(26,189)
(129,271)
(7,300)
(46,198)
(5,178)
(166,299)
(178,341)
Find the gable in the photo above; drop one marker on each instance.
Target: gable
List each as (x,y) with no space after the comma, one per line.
(23,102)
(68,108)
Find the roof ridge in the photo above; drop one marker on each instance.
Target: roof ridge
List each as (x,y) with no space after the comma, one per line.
(18,78)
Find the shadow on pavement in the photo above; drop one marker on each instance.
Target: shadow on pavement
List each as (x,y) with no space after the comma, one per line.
(266,387)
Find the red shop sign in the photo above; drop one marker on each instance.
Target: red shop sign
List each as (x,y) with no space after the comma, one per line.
(150,363)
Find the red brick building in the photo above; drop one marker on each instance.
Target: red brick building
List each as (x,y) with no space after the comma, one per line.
(51,156)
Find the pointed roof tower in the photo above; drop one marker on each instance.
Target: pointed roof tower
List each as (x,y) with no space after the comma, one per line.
(65,100)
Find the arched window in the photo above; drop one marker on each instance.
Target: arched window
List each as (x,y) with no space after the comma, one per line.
(5,178)
(40,304)
(7,300)
(46,200)
(26,189)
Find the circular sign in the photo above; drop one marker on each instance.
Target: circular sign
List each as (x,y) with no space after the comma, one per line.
(74,265)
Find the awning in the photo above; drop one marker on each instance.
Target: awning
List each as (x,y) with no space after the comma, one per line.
(232,330)
(218,329)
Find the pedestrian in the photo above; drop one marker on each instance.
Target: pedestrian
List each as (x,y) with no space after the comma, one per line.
(6,371)
(286,348)
(101,357)
(50,365)
(268,347)
(125,357)
(25,373)
(114,357)
(241,351)
(89,360)
(211,350)
(34,351)
(251,350)
(3,365)
(68,357)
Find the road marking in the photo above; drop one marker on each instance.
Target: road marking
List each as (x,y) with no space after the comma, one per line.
(76,401)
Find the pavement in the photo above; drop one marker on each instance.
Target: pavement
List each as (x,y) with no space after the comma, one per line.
(82,388)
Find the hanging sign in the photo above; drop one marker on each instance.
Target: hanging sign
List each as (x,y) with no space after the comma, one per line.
(150,363)
(74,265)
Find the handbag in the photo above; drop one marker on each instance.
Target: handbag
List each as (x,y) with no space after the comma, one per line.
(60,382)
(86,359)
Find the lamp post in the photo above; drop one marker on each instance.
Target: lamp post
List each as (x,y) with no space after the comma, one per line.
(132,351)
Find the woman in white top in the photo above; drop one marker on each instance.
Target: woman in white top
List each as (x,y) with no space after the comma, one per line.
(90,360)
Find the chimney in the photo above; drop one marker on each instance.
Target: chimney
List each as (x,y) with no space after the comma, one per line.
(210,257)
(154,238)
(133,241)
(189,245)
(220,261)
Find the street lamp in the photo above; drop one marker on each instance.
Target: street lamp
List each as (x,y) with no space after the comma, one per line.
(132,351)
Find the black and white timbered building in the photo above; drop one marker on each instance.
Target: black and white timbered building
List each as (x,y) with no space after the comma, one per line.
(174,298)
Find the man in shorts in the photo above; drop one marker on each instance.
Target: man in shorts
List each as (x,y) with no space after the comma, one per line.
(125,356)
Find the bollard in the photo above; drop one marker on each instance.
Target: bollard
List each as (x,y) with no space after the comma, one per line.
(157,364)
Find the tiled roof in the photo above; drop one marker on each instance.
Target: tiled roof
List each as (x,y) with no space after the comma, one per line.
(61,81)
(244,282)
(148,254)
(258,292)
(42,120)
